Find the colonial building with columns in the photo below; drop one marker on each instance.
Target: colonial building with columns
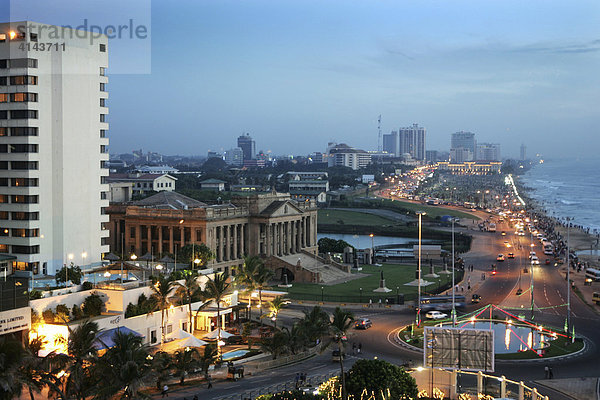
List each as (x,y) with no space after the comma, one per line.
(261,224)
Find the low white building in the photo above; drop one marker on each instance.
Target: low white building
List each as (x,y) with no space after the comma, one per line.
(160,169)
(213,184)
(144,184)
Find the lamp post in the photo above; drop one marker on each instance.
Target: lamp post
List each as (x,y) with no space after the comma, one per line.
(372,248)
(360,289)
(133,258)
(531,277)
(453,281)
(397,294)
(322,293)
(568,275)
(420,214)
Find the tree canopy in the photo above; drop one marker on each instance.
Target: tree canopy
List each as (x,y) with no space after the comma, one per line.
(376,376)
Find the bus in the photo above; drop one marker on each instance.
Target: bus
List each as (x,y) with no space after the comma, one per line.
(491,227)
(441,303)
(593,274)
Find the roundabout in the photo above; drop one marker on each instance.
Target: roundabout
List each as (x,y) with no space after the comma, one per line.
(515,337)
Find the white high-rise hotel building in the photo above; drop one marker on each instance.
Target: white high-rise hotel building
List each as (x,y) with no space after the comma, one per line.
(53,146)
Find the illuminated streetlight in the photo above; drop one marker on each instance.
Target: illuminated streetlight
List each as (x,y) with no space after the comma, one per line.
(420,214)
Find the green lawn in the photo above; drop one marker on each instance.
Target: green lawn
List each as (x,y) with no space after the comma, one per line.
(396,275)
(432,211)
(326,216)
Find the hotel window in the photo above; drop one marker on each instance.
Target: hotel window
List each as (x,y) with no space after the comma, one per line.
(3,64)
(3,97)
(23,114)
(102,117)
(102,48)
(3,165)
(3,181)
(103,87)
(23,97)
(25,216)
(33,37)
(102,180)
(24,199)
(3,198)
(23,80)
(23,148)
(4,231)
(3,131)
(24,182)
(3,80)
(4,215)
(102,102)
(3,148)
(3,248)
(26,249)
(25,232)
(2,37)
(103,195)
(102,71)
(23,131)
(23,63)
(24,165)
(3,114)
(102,132)
(103,149)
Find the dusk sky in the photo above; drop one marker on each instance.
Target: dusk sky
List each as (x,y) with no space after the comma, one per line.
(297,74)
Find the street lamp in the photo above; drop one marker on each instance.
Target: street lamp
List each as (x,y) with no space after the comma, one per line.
(453,282)
(569,219)
(360,289)
(420,214)
(372,248)
(397,294)
(322,293)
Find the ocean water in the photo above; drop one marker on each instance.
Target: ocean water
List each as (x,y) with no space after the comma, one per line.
(567,188)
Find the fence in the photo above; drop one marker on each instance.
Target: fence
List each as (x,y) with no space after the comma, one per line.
(311,381)
(465,385)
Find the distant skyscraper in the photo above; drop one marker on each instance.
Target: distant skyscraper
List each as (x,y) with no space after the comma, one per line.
(411,140)
(248,146)
(460,155)
(390,143)
(234,157)
(523,152)
(466,140)
(488,152)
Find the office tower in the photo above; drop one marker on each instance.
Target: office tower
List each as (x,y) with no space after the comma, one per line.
(488,152)
(463,140)
(248,146)
(523,152)
(431,156)
(390,143)
(235,157)
(53,128)
(460,155)
(412,140)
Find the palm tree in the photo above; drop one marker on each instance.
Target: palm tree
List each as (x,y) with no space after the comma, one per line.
(38,372)
(216,289)
(11,356)
(276,344)
(314,324)
(161,292)
(262,275)
(82,355)
(339,325)
(185,361)
(209,357)
(161,365)
(276,305)
(188,291)
(246,277)
(125,366)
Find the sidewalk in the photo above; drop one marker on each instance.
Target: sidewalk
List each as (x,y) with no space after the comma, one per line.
(576,388)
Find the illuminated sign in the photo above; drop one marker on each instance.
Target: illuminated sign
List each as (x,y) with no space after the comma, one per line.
(15,320)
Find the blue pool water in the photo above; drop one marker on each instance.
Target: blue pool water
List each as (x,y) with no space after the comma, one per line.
(234,354)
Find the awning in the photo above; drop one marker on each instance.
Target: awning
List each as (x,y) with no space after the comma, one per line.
(215,334)
(105,339)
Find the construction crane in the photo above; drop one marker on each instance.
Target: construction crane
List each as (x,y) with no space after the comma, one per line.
(379,148)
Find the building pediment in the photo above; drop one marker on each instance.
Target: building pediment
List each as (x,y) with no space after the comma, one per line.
(281,208)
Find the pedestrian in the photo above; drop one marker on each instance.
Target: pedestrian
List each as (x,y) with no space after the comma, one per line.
(380,302)
(359,347)
(546,372)
(165,391)
(209,380)
(303,378)
(551,373)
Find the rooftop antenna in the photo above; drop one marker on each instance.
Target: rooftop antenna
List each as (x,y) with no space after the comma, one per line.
(379,149)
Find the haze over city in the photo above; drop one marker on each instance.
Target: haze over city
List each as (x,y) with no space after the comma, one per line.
(508,71)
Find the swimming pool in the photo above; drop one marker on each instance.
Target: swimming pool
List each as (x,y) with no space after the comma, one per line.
(234,354)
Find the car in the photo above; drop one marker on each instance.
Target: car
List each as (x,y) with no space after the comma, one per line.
(503,233)
(535,260)
(475,298)
(507,243)
(436,315)
(363,323)
(500,257)
(531,254)
(511,255)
